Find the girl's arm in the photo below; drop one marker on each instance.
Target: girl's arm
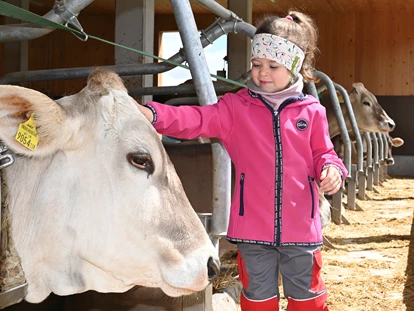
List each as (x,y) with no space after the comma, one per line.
(326,162)
(189,122)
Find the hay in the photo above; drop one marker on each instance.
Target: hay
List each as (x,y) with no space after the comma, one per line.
(11,272)
(229,273)
(372,266)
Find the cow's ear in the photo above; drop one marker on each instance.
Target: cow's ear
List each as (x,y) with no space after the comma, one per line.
(397,142)
(25,114)
(357,87)
(340,97)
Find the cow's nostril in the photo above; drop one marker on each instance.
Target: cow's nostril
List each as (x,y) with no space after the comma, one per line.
(213,268)
(389,162)
(391,125)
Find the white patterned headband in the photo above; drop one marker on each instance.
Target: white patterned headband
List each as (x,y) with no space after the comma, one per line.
(282,51)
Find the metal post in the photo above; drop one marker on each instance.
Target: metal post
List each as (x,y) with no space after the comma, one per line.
(370,170)
(356,170)
(381,156)
(221,162)
(337,206)
(385,138)
(206,94)
(376,159)
(311,89)
(339,117)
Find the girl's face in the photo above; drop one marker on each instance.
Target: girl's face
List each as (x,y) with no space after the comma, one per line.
(270,76)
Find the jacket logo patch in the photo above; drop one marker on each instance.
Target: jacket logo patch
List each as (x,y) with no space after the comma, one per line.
(302,124)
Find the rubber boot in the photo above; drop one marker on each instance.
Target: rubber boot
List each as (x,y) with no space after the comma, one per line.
(271,304)
(315,304)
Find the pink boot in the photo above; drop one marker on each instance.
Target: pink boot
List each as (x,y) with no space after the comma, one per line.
(315,304)
(252,305)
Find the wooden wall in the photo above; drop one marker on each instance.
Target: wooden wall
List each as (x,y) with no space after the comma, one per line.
(61,49)
(373,48)
(1,50)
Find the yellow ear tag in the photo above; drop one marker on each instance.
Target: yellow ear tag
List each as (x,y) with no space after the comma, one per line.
(27,134)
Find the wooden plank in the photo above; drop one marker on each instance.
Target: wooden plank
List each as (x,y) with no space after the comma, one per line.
(201,301)
(405,42)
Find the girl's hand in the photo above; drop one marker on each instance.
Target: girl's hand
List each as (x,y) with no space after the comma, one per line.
(144,110)
(331,180)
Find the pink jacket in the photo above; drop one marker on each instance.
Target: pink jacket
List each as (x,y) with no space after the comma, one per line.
(277,157)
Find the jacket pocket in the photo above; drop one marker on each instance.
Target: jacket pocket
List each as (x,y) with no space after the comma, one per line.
(310,180)
(241,210)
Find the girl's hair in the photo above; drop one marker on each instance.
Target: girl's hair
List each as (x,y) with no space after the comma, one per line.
(301,31)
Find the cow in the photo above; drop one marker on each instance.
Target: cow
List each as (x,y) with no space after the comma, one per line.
(392,142)
(95,203)
(369,115)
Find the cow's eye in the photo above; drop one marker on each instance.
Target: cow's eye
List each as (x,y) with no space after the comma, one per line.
(142,161)
(367,104)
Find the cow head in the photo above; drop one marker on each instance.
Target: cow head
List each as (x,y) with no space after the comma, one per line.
(97,205)
(369,114)
(392,142)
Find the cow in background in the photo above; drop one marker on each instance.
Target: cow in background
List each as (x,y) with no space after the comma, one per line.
(392,142)
(96,204)
(369,114)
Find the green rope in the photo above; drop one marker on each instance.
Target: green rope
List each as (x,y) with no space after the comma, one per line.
(12,11)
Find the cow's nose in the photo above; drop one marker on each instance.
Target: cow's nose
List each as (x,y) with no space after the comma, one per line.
(391,125)
(389,162)
(213,268)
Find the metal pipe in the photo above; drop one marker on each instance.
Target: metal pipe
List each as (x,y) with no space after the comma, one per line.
(188,89)
(126,70)
(354,126)
(182,101)
(311,89)
(369,149)
(219,10)
(376,165)
(375,147)
(381,146)
(28,31)
(339,117)
(206,95)
(386,147)
(370,166)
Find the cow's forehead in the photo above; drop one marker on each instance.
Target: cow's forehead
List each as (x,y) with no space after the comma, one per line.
(104,78)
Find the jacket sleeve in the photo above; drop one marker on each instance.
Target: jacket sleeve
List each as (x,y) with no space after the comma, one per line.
(189,122)
(322,148)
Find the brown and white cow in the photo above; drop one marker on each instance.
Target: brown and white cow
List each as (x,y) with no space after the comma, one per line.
(392,142)
(369,114)
(98,205)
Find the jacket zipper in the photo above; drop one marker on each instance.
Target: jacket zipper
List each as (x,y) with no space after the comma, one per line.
(310,179)
(241,211)
(278,160)
(278,168)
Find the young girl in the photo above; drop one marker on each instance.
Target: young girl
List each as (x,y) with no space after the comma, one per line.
(278,140)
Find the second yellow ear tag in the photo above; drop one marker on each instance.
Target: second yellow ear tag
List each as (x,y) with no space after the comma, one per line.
(27,134)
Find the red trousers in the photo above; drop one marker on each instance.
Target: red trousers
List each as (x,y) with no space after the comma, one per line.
(316,304)
(251,305)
